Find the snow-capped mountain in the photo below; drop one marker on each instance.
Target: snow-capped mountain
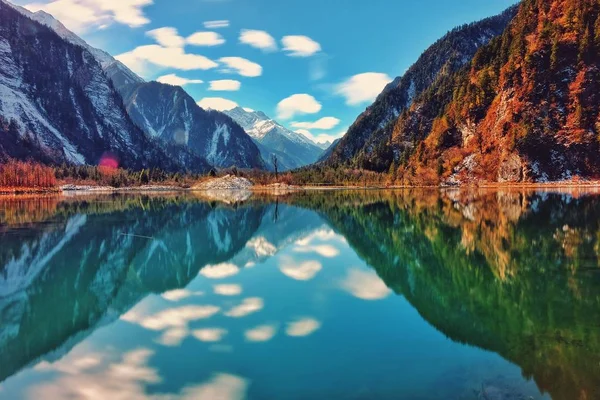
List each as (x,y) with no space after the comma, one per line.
(57,105)
(292,149)
(169,113)
(115,69)
(188,133)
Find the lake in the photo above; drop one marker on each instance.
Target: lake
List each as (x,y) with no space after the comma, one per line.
(414,294)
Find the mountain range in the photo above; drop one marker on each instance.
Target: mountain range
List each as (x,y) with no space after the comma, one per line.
(443,58)
(64,101)
(293,150)
(520,105)
(511,98)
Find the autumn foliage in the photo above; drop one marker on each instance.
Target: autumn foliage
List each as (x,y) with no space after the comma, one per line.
(22,174)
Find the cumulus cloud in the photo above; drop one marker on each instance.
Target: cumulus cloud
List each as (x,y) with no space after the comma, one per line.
(228,290)
(241,66)
(324,123)
(209,334)
(217,103)
(261,333)
(362,88)
(81,16)
(219,271)
(126,376)
(324,250)
(167,37)
(302,327)
(141,57)
(258,39)
(178,317)
(205,39)
(297,104)
(179,294)
(366,285)
(300,46)
(247,307)
(175,80)
(223,23)
(173,337)
(225,85)
(169,52)
(303,271)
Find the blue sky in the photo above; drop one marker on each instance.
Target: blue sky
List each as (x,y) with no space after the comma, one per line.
(312,64)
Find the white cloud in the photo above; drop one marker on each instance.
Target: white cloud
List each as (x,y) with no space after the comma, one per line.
(219,271)
(366,285)
(175,80)
(177,317)
(242,66)
(261,333)
(179,294)
(325,123)
(168,53)
(258,39)
(324,250)
(205,39)
(217,103)
(362,88)
(139,58)
(228,290)
(84,15)
(167,37)
(223,23)
(297,104)
(303,271)
(173,337)
(247,307)
(300,46)
(209,334)
(113,375)
(248,109)
(303,327)
(225,85)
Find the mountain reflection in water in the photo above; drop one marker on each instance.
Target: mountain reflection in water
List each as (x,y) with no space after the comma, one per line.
(392,294)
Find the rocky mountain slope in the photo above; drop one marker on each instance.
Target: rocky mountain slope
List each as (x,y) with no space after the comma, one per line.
(525,109)
(169,113)
(172,112)
(57,105)
(292,149)
(443,58)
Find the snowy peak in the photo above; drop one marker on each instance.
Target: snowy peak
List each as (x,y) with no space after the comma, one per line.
(292,149)
(108,63)
(257,124)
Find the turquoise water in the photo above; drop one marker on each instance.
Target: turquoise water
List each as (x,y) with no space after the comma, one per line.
(345,295)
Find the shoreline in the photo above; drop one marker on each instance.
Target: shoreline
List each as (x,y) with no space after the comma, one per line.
(86,189)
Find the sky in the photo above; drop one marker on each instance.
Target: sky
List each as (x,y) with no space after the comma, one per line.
(313,65)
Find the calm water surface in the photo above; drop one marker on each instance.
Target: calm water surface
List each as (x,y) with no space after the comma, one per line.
(342,295)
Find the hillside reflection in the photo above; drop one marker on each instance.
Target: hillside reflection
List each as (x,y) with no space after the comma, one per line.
(516,273)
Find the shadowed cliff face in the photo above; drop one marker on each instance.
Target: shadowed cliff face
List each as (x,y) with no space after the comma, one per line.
(514,273)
